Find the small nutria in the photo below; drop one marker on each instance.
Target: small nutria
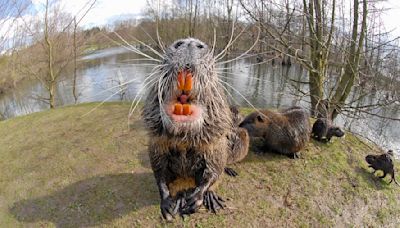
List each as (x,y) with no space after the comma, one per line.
(285,132)
(193,136)
(382,162)
(323,130)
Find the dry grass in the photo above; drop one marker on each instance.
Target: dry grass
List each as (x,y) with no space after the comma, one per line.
(59,169)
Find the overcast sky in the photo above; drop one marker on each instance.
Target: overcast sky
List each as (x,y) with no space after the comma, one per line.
(106,10)
(391,17)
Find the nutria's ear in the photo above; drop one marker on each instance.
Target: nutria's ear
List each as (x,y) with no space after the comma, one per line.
(260,118)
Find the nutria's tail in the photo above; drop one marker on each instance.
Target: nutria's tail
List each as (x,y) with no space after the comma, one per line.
(394,179)
(239,145)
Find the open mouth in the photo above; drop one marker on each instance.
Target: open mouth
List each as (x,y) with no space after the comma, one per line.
(183,110)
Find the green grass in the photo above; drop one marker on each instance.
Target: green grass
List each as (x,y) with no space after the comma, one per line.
(58,168)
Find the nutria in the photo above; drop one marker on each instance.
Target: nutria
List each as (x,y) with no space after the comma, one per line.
(285,132)
(382,162)
(323,130)
(193,136)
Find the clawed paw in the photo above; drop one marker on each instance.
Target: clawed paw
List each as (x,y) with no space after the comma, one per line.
(231,172)
(167,208)
(193,202)
(186,204)
(213,202)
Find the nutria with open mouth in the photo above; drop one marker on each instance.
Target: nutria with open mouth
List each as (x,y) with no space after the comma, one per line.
(193,136)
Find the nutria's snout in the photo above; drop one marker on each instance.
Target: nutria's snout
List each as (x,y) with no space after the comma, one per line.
(187,53)
(339,132)
(251,123)
(370,159)
(189,67)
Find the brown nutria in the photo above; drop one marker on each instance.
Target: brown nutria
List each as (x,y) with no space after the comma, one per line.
(191,128)
(285,132)
(323,130)
(382,162)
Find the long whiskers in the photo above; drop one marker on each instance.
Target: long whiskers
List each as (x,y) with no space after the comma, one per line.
(148,46)
(134,49)
(113,87)
(97,106)
(244,98)
(250,56)
(229,45)
(248,50)
(222,53)
(145,84)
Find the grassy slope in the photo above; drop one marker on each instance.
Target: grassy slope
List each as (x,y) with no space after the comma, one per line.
(58,168)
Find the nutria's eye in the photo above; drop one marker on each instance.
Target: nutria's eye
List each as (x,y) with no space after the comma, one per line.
(178,44)
(260,119)
(200,46)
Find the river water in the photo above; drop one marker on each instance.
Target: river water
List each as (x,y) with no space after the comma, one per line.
(104,73)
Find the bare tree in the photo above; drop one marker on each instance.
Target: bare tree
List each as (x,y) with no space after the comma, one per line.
(51,50)
(320,16)
(89,5)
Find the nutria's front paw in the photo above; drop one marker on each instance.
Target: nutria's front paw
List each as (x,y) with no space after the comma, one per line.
(213,202)
(167,208)
(193,202)
(180,204)
(231,172)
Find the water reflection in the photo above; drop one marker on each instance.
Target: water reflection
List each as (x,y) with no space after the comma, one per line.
(106,72)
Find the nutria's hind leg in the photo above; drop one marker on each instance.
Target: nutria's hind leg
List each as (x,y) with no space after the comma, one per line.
(230,172)
(394,179)
(294,155)
(384,175)
(213,202)
(239,141)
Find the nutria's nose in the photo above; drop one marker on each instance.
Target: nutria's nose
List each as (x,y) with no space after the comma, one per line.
(187,66)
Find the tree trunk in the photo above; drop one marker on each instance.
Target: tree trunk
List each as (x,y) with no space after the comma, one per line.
(352,66)
(52,88)
(75,56)
(50,73)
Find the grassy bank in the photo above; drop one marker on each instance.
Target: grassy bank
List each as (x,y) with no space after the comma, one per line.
(58,168)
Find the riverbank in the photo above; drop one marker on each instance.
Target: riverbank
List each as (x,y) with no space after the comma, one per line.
(61,168)
(10,77)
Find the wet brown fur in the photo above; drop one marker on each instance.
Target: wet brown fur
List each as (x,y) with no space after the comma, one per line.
(382,162)
(323,130)
(285,132)
(190,157)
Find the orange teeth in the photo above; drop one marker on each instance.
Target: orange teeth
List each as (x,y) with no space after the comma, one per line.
(185,81)
(188,82)
(181,81)
(178,109)
(186,109)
